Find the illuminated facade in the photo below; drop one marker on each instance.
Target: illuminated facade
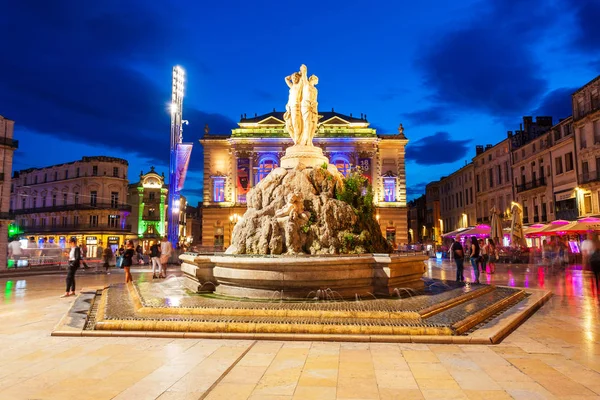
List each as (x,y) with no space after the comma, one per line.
(7,148)
(433,216)
(148,199)
(457,199)
(586,124)
(493,180)
(83,199)
(233,164)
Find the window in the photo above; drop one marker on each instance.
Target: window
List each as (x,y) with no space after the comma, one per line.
(585,171)
(151,195)
(53,200)
(77,172)
(582,138)
(116,172)
(389,189)
(114,220)
(466,196)
(35,180)
(491,177)
(114,199)
(66,174)
(23,203)
(219,189)
(461,199)
(95,170)
(477,183)
(76,219)
(53,222)
(76,198)
(151,212)
(559,165)
(45,178)
(471,194)
(64,221)
(43,201)
(597,131)
(64,199)
(42,221)
(557,135)
(587,203)
(265,166)
(93,221)
(93,198)
(569,162)
(55,175)
(499,171)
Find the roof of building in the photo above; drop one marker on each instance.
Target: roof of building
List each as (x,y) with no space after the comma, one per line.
(323,116)
(83,159)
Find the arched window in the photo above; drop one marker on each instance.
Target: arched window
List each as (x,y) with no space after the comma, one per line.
(266,164)
(342,163)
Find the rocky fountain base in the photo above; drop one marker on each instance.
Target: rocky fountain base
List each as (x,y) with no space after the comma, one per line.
(297,277)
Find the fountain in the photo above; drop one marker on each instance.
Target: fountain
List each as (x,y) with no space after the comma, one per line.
(307,257)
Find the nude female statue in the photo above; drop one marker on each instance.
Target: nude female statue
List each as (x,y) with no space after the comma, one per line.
(293,116)
(310,116)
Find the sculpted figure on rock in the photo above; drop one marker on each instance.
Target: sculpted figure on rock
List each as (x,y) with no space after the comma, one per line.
(301,116)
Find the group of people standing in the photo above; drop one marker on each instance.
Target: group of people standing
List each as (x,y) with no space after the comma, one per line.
(480,254)
(159,254)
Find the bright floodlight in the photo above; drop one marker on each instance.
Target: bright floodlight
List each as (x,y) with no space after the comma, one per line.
(173,108)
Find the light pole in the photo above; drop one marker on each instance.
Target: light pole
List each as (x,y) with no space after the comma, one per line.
(179,154)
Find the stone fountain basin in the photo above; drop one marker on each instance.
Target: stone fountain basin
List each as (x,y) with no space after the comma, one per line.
(302,277)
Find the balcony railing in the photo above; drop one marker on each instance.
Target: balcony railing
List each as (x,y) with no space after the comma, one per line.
(4,141)
(593,176)
(589,107)
(76,228)
(7,216)
(73,207)
(147,199)
(531,185)
(151,217)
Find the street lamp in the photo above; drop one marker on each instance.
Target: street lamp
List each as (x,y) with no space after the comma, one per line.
(233,219)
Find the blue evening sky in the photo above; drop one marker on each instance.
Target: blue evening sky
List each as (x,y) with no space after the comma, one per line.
(87,78)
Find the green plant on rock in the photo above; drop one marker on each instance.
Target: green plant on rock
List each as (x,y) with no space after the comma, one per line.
(358,193)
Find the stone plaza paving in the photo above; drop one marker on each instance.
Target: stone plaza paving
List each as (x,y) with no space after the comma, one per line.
(554,354)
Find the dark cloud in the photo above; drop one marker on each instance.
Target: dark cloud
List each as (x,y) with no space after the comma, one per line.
(435,115)
(488,64)
(87,89)
(437,149)
(556,104)
(587,26)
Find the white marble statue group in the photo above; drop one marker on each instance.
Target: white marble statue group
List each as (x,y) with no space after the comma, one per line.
(301,115)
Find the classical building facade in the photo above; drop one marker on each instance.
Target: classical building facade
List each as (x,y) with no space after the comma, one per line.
(433,216)
(532,171)
(493,180)
(457,199)
(85,199)
(148,199)
(586,124)
(7,147)
(417,221)
(234,163)
(564,172)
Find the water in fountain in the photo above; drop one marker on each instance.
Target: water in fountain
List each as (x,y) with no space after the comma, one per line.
(409,291)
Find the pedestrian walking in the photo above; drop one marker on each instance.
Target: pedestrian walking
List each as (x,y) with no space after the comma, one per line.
(475,256)
(165,254)
(128,260)
(83,251)
(140,254)
(483,259)
(587,249)
(155,259)
(492,255)
(106,257)
(74,263)
(594,260)
(458,253)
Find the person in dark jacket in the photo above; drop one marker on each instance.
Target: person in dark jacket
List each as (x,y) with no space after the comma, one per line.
(155,258)
(128,261)
(74,263)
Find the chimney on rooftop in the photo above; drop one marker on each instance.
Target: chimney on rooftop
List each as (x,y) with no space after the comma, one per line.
(488,146)
(478,149)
